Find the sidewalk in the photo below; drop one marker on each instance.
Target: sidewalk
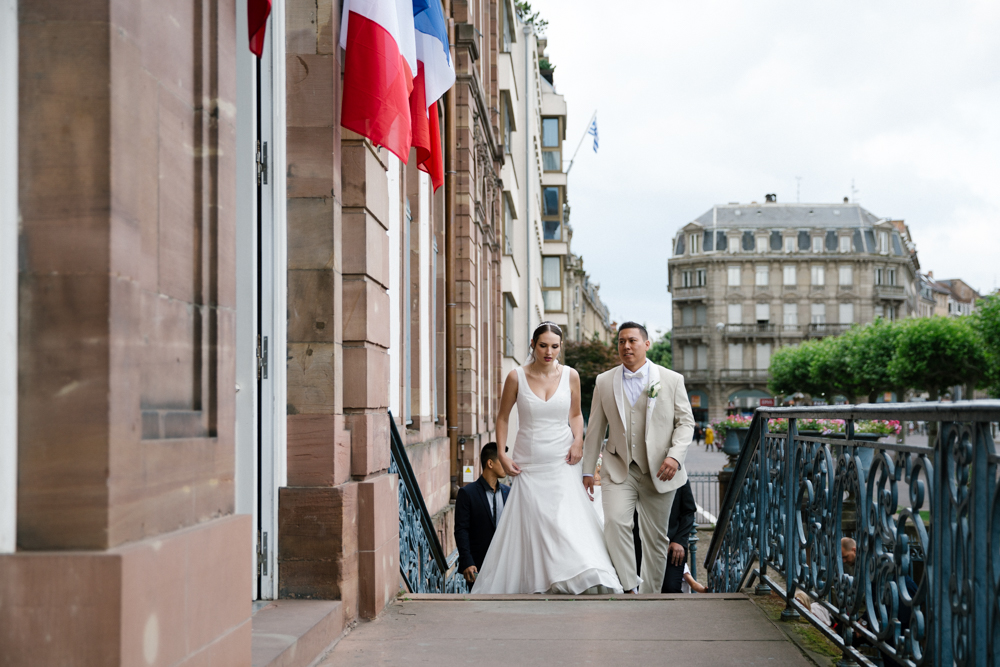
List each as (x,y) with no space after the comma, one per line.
(532,630)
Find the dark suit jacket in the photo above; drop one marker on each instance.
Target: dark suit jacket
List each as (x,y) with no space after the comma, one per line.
(474,522)
(682,514)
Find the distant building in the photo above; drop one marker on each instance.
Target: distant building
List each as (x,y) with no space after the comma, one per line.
(961,297)
(747,279)
(587,315)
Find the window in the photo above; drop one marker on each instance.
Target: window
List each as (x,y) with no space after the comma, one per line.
(703,357)
(721,241)
(883,242)
(818,275)
(846,313)
(735,313)
(679,250)
(700,277)
(891,275)
(552,213)
(879,311)
(687,316)
(576,296)
(761,276)
(508,326)
(551,144)
(846,274)
(709,239)
(761,244)
(689,353)
(736,356)
(508,123)
(700,315)
(763,356)
(776,241)
(817,314)
(748,244)
(817,244)
(552,283)
(763,313)
(694,243)
(878,277)
(845,244)
(508,29)
(791,314)
(803,241)
(508,224)
(687,278)
(734,276)
(789,277)
(789,244)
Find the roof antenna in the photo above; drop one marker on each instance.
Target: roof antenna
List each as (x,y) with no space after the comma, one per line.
(798,185)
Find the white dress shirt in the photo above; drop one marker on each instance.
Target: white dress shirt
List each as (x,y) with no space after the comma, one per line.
(635,383)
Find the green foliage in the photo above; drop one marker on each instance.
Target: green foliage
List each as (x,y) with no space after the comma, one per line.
(590,358)
(934,353)
(868,350)
(545,65)
(523,9)
(828,374)
(661,353)
(986,321)
(790,369)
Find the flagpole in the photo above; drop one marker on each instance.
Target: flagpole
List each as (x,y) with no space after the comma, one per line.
(586,131)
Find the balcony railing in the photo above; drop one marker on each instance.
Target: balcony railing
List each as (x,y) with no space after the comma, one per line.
(925,519)
(700,375)
(756,329)
(744,374)
(682,293)
(698,330)
(890,292)
(422,562)
(818,330)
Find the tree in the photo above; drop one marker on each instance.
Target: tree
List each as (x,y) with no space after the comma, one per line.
(869,349)
(986,321)
(525,13)
(661,353)
(828,371)
(790,370)
(590,358)
(935,353)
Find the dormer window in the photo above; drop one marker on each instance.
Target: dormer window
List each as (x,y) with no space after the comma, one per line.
(817,244)
(789,244)
(761,244)
(694,243)
(845,244)
(883,242)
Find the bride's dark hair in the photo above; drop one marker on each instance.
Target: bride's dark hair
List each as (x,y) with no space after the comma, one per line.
(544,327)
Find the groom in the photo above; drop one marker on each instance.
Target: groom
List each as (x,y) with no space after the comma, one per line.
(650,420)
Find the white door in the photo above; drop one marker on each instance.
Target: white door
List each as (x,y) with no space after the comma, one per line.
(261,294)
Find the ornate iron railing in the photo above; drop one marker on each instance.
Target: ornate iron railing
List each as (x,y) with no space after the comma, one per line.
(926,520)
(422,561)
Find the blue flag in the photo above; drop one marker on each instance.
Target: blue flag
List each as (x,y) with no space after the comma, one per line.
(592,131)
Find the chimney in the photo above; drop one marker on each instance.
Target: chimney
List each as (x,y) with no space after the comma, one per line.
(771,199)
(846,200)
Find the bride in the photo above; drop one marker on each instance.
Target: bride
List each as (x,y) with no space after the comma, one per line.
(550,538)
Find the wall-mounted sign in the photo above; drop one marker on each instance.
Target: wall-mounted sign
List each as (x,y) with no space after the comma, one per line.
(767,402)
(468,475)
(695,401)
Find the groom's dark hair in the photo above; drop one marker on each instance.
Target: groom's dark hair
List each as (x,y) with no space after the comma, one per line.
(489,453)
(634,325)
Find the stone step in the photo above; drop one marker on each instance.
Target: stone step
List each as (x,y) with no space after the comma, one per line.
(295,633)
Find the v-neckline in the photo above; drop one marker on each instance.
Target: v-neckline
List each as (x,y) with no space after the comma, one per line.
(532,391)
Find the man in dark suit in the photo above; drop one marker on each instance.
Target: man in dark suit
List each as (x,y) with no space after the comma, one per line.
(477,513)
(682,513)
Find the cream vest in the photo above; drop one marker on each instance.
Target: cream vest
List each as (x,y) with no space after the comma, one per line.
(635,430)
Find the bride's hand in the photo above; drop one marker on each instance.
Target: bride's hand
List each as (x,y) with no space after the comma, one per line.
(511,468)
(575,453)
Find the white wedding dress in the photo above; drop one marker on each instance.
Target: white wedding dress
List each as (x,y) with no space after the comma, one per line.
(550,538)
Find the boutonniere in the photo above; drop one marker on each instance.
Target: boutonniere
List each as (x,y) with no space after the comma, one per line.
(654,390)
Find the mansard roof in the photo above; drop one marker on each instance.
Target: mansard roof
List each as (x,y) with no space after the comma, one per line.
(773,215)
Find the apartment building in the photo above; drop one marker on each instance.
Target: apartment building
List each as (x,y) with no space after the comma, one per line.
(587,315)
(746,279)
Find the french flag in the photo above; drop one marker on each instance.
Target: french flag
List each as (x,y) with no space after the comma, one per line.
(435,75)
(380,61)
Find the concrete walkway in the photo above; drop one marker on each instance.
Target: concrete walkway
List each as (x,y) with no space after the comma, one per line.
(529,631)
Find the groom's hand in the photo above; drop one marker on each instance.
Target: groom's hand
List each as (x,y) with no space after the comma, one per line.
(668,469)
(470,573)
(588,483)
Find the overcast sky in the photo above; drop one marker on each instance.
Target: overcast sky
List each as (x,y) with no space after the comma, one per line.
(703,103)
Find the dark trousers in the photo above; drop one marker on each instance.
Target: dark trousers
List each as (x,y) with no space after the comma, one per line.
(674,576)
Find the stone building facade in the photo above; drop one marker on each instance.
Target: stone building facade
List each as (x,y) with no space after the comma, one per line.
(221,298)
(746,279)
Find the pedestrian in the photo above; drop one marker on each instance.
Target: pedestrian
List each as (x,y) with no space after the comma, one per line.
(477,513)
(709,438)
(698,434)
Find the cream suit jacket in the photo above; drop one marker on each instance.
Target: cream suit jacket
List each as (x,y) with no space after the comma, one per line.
(669,426)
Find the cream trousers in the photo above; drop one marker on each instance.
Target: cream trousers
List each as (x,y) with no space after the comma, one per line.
(620,504)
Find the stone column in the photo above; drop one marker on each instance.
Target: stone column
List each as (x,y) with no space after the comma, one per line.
(126,373)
